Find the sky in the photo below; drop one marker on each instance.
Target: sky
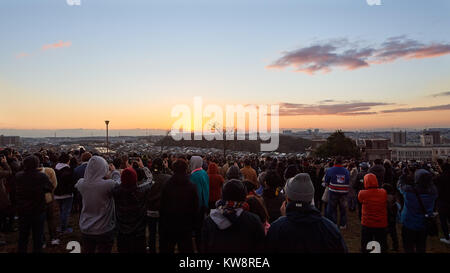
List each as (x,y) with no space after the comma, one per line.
(328,64)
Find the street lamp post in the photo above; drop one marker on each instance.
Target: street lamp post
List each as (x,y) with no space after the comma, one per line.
(107,140)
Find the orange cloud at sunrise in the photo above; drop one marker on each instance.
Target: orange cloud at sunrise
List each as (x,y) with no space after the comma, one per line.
(57,45)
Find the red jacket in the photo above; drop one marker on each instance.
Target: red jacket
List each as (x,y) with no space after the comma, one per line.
(374,203)
(215,183)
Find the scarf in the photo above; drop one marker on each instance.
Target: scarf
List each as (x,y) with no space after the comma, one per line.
(229,209)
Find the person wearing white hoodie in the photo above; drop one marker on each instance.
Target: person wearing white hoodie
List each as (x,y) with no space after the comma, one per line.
(97,218)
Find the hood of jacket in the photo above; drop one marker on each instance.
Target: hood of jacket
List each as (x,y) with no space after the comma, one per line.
(423,178)
(96,169)
(196,162)
(222,221)
(59,166)
(370,181)
(213,169)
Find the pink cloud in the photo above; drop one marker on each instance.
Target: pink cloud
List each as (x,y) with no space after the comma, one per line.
(333,108)
(431,51)
(349,56)
(352,108)
(22,55)
(418,109)
(57,45)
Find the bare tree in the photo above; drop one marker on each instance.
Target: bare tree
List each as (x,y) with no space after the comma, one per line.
(215,125)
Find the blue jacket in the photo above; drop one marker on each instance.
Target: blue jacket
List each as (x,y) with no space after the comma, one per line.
(201,179)
(304,230)
(337,178)
(78,172)
(412,216)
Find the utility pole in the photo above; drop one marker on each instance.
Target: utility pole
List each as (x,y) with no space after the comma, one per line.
(107,138)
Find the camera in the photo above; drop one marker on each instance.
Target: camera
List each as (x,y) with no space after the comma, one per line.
(133,159)
(135,165)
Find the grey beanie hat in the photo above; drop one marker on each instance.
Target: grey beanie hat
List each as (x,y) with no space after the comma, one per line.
(300,188)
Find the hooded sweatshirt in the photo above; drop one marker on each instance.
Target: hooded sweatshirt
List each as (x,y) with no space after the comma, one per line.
(379,171)
(200,178)
(97,216)
(215,183)
(374,203)
(221,235)
(131,204)
(65,178)
(250,174)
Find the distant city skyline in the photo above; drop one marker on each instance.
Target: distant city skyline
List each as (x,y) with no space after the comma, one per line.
(328,64)
(39,133)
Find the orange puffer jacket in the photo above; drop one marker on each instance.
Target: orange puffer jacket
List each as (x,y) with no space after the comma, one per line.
(374,203)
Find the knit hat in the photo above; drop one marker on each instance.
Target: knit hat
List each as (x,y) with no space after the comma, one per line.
(234,190)
(300,188)
(128,177)
(234,173)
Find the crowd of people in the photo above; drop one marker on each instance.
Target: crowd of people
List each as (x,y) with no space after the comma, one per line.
(216,204)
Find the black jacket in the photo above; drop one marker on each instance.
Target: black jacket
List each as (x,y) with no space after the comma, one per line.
(304,230)
(15,167)
(131,209)
(389,176)
(31,187)
(379,171)
(179,204)
(154,199)
(66,181)
(443,187)
(246,235)
(359,182)
(273,204)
